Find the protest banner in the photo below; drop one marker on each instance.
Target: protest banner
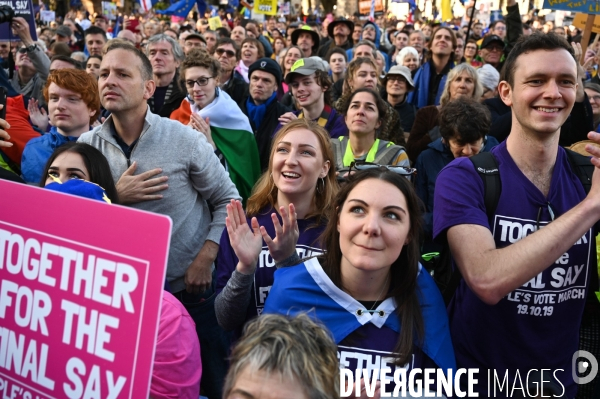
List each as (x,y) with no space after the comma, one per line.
(80,291)
(266,7)
(22,8)
(214,23)
(364,7)
(580,20)
(585,6)
(47,16)
(109,10)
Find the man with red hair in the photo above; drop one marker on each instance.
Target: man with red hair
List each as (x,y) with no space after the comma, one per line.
(73,105)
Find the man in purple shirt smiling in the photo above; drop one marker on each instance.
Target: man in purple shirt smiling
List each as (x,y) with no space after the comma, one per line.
(519,305)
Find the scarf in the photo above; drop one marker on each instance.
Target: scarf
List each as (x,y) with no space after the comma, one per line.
(323,119)
(257,112)
(243,70)
(420,95)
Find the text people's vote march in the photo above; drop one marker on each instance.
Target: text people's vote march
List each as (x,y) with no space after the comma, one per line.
(80,292)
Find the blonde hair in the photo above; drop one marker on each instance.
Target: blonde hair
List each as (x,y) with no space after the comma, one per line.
(455,73)
(265,191)
(295,348)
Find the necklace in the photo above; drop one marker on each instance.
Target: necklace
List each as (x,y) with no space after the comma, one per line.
(381,313)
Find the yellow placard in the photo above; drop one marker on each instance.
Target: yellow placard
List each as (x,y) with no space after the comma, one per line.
(214,23)
(267,7)
(579,22)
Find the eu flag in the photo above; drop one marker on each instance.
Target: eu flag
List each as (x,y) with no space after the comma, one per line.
(180,9)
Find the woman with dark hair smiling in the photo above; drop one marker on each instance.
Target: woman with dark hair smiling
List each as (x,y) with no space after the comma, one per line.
(368,288)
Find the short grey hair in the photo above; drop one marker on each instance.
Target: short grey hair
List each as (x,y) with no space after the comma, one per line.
(489,77)
(178,53)
(404,52)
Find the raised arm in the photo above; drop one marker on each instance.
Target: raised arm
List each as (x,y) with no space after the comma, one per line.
(493,273)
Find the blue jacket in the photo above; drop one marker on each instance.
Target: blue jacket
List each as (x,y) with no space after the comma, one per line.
(350,52)
(429,164)
(307,288)
(37,152)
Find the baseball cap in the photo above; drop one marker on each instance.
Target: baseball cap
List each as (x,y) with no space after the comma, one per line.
(64,31)
(305,66)
(195,36)
(492,39)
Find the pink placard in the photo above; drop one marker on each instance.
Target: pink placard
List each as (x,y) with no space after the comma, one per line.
(80,292)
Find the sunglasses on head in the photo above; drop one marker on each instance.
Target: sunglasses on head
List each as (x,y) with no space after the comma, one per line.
(401,170)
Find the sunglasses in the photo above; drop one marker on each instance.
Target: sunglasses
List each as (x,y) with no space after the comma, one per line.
(22,50)
(221,51)
(401,170)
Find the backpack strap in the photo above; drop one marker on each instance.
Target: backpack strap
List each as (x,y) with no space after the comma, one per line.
(486,165)
(582,167)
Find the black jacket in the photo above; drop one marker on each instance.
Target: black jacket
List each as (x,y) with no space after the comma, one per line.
(407,112)
(329,44)
(236,87)
(263,133)
(173,102)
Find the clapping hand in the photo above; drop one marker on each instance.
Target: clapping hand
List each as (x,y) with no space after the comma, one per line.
(245,241)
(286,234)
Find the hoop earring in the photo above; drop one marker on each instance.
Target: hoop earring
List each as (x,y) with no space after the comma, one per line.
(323,185)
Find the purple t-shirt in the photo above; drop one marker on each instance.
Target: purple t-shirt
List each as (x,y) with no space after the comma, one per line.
(537,325)
(307,245)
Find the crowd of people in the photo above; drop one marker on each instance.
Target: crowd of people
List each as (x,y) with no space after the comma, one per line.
(380,185)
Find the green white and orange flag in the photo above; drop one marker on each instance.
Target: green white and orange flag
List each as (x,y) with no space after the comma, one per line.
(232,134)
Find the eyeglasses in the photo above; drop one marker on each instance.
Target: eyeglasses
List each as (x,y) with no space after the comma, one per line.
(395,78)
(595,98)
(221,51)
(401,170)
(474,48)
(202,81)
(494,48)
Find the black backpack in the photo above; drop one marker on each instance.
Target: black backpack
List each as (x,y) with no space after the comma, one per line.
(486,165)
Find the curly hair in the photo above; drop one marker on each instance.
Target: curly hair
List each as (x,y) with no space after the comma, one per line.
(199,57)
(294,348)
(464,120)
(77,81)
